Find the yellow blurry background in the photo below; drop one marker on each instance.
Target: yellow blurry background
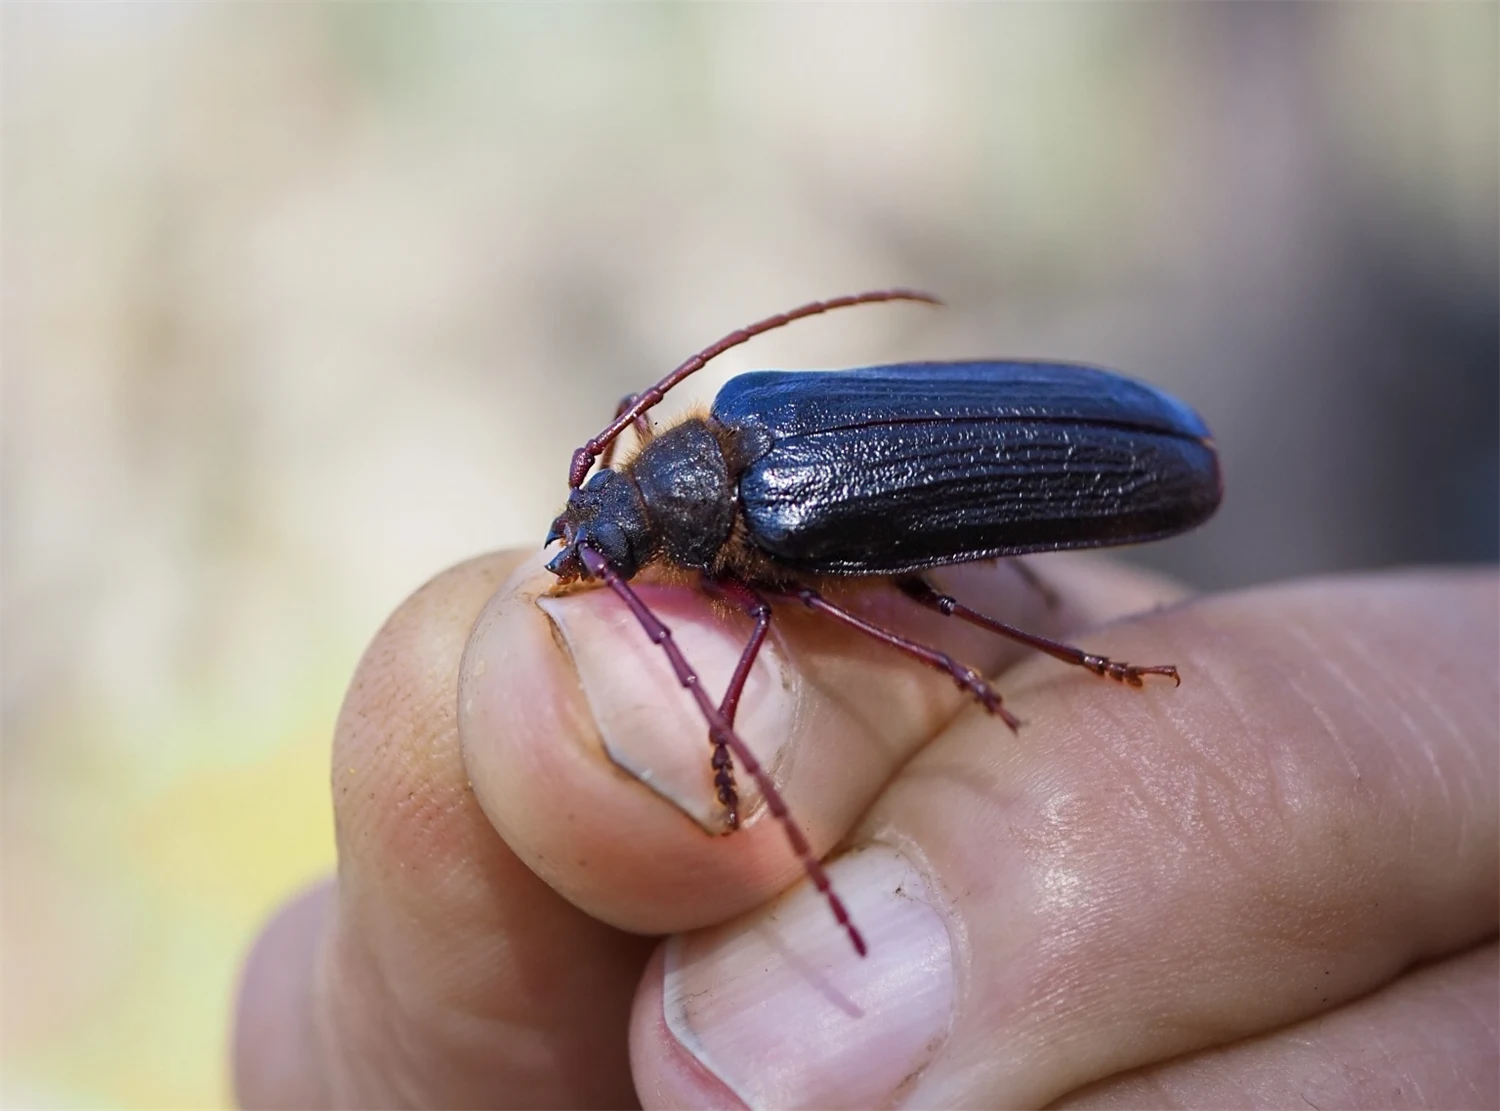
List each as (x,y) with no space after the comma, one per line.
(305,302)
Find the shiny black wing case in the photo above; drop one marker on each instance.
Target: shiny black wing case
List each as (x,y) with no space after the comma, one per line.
(890,469)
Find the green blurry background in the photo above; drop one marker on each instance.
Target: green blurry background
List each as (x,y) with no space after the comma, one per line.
(303,303)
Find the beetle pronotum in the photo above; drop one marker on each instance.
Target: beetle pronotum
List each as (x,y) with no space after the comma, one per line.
(881,471)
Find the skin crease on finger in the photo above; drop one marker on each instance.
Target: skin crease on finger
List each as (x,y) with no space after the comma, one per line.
(1130,879)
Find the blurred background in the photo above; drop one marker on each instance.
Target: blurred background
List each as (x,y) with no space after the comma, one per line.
(306,302)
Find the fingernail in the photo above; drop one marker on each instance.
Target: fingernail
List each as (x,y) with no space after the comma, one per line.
(651,727)
(782,1011)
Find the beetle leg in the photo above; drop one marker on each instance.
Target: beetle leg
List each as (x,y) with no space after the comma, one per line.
(1036,582)
(921,591)
(600,568)
(757,608)
(642,429)
(967,678)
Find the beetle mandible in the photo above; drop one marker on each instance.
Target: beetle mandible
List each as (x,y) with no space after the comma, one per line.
(881,471)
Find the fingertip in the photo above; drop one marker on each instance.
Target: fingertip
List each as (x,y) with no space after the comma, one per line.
(454,976)
(594,766)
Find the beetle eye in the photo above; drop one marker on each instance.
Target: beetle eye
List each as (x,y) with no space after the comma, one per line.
(611,541)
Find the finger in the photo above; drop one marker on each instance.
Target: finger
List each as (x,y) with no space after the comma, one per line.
(593,762)
(276,1047)
(1131,878)
(440,971)
(1431,1039)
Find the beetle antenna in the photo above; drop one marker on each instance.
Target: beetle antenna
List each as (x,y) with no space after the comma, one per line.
(723,733)
(583,458)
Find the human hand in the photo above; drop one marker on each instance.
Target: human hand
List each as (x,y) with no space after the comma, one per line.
(1277,883)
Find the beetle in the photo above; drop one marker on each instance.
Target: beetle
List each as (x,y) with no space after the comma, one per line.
(884,471)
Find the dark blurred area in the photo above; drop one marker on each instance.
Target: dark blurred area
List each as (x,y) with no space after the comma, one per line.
(305,302)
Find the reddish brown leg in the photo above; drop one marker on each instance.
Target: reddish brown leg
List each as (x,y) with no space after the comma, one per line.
(756,607)
(921,591)
(722,732)
(642,429)
(967,678)
(1036,582)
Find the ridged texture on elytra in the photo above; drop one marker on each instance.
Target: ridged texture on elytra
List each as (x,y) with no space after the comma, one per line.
(889,469)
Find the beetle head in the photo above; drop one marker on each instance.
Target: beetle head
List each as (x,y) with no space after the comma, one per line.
(605,514)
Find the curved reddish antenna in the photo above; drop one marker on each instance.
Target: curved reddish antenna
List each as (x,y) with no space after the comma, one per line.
(583,458)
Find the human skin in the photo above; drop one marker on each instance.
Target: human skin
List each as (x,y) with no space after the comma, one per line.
(1273,886)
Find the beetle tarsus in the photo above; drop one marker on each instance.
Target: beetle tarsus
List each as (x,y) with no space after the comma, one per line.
(724,785)
(758,609)
(1131,674)
(924,593)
